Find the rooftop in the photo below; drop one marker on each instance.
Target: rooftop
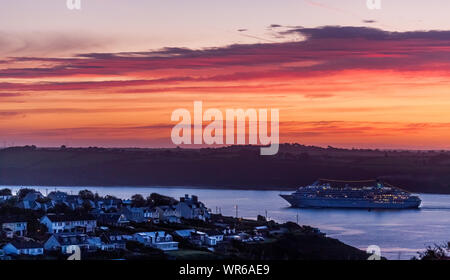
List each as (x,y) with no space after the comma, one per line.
(12,219)
(70,217)
(26,244)
(71,238)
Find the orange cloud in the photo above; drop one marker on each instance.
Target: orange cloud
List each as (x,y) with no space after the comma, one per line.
(341,86)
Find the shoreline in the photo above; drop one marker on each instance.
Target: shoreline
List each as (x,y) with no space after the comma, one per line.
(237,167)
(211,236)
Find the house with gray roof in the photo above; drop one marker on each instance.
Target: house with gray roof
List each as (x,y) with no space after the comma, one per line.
(191,208)
(23,247)
(64,242)
(57,223)
(14,225)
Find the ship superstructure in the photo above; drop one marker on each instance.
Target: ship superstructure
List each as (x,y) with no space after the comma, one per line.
(369,194)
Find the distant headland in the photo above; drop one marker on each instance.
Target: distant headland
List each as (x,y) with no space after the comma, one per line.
(233,167)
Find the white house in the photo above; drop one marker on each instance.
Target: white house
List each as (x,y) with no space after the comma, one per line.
(57,223)
(109,203)
(168,213)
(63,241)
(109,242)
(139,214)
(33,196)
(73,201)
(210,241)
(58,196)
(157,239)
(184,233)
(23,247)
(150,214)
(215,235)
(14,225)
(210,238)
(34,200)
(112,219)
(191,208)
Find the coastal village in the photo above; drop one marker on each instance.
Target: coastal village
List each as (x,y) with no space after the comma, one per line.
(88,226)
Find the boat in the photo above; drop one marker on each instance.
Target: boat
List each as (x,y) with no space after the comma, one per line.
(367,194)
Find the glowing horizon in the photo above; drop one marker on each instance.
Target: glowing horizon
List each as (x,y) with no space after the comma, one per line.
(373,84)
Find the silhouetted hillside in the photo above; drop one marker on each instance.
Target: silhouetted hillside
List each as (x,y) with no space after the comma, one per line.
(231,167)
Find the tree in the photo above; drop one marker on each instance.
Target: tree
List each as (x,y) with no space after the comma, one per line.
(438,252)
(97,196)
(260,218)
(35,228)
(10,202)
(60,208)
(86,194)
(150,201)
(162,200)
(23,192)
(137,200)
(5,192)
(43,199)
(87,206)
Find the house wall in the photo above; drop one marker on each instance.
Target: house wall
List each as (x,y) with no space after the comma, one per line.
(57,227)
(218,238)
(211,241)
(18,228)
(185,210)
(10,249)
(32,251)
(166,246)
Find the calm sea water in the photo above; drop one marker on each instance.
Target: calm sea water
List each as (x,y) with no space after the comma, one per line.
(399,233)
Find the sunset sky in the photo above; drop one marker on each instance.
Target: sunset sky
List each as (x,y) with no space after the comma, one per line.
(111,73)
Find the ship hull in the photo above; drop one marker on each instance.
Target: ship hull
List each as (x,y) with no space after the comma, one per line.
(302,202)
